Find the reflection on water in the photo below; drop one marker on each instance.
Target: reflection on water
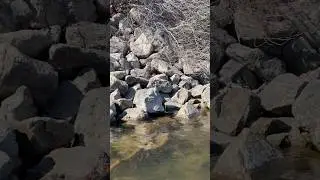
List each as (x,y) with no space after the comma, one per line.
(186,156)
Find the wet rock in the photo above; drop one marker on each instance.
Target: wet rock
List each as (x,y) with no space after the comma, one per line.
(235,72)
(87,35)
(149,100)
(182,96)
(133,115)
(18,106)
(243,155)
(71,163)
(187,112)
(65,102)
(18,70)
(118,45)
(279,95)
(239,108)
(91,122)
(142,47)
(118,84)
(272,68)
(41,40)
(46,134)
(87,80)
(66,57)
(161,83)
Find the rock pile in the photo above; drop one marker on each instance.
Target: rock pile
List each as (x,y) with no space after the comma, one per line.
(268,97)
(53,85)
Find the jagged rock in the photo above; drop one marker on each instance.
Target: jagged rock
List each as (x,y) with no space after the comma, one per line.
(87,80)
(161,83)
(118,84)
(124,103)
(92,122)
(87,35)
(239,108)
(65,102)
(41,40)
(279,95)
(171,106)
(118,45)
(199,70)
(145,72)
(132,80)
(272,68)
(164,67)
(197,91)
(175,79)
(246,153)
(187,112)
(119,74)
(222,14)
(132,91)
(18,106)
(269,126)
(115,95)
(72,163)
(149,100)
(66,57)
(311,75)
(222,36)
(18,70)
(182,96)
(133,60)
(133,115)
(142,47)
(46,134)
(219,141)
(280,140)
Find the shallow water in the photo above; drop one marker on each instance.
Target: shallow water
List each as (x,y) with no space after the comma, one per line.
(186,156)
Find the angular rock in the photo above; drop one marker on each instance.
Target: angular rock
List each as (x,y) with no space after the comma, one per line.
(279,95)
(124,103)
(270,126)
(19,106)
(280,140)
(87,80)
(46,134)
(18,70)
(272,68)
(182,96)
(132,91)
(239,108)
(205,96)
(197,91)
(41,40)
(133,115)
(142,47)
(72,163)
(92,122)
(87,35)
(66,57)
(149,100)
(119,74)
(161,83)
(118,45)
(65,102)
(187,112)
(175,79)
(199,70)
(219,142)
(132,80)
(171,106)
(115,95)
(8,140)
(162,66)
(118,84)
(133,60)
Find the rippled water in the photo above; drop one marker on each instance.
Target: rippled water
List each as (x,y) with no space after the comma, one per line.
(186,156)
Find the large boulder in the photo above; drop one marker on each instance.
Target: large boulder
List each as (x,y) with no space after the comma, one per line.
(18,69)
(149,100)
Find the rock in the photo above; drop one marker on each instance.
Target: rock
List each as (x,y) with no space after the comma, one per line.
(132,80)
(199,70)
(171,106)
(205,96)
(245,154)
(124,64)
(133,60)
(279,95)
(222,37)
(46,134)
(161,83)
(92,123)
(149,100)
(219,141)
(164,67)
(21,12)
(197,91)
(133,115)
(87,35)
(8,140)
(270,126)
(144,73)
(118,45)
(187,112)
(182,96)
(311,75)
(272,68)
(65,102)
(124,103)
(132,91)
(118,84)
(72,163)
(113,113)
(18,106)
(116,18)
(222,14)
(250,57)
(6,165)
(142,47)
(280,140)
(41,40)
(239,108)
(185,84)
(66,57)
(115,95)
(235,72)
(175,79)
(18,70)
(119,74)
(87,80)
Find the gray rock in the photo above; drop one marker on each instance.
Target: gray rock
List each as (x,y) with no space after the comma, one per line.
(118,45)
(133,60)
(161,83)
(18,106)
(149,100)
(272,68)
(118,84)
(46,134)
(115,19)
(199,70)
(133,115)
(41,40)
(132,80)
(142,47)
(269,126)
(279,140)
(91,122)
(187,112)
(279,95)
(162,66)
(72,163)
(132,91)
(119,74)
(197,91)
(87,80)
(113,113)
(124,64)
(124,104)
(181,96)
(175,79)
(171,106)
(21,12)
(66,57)
(65,102)
(115,95)
(87,35)
(219,141)
(144,73)
(239,107)
(185,84)
(18,70)
(205,96)
(245,154)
